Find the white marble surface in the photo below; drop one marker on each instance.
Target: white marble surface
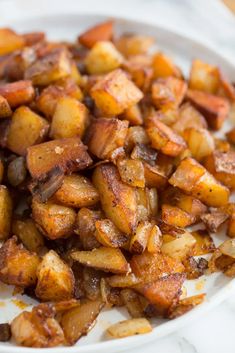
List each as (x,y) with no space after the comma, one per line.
(210,22)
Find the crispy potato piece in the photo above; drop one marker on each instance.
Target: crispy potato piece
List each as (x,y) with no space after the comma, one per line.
(109,235)
(168,92)
(133,115)
(27,232)
(92,283)
(106,135)
(114,93)
(118,200)
(139,67)
(66,155)
(154,240)
(38,328)
(70,118)
(47,100)
(200,142)
(5,109)
(228,248)
(180,247)
(133,44)
(86,220)
(106,259)
(130,327)
(131,172)
(103,58)
(76,191)
(136,135)
(176,216)
(222,166)
(55,221)
(214,219)
(163,138)
(189,117)
(50,68)
(139,239)
(194,179)
(149,267)
(17,93)
(163,292)
(18,266)
(6,208)
(185,305)
(214,109)
(195,268)
(55,279)
(123,281)
(132,302)
(26,129)
(102,31)
(163,66)
(204,243)
(10,41)
(145,154)
(204,77)
(147,203)
(32,38)
(78,321)
(154,177)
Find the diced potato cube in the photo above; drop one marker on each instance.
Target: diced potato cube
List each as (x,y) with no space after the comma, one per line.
(214,109)
(133,115)
(147,203)
(203,77)
(131,172)
(115,92)
(32,38)
(180,247)
(154,177)
(10,41)
(109,235)
(86,220)
(18,266)
(154,240)
(164,138)
(5,109)
(133,44)
(55,221)
(118,200)
(200,142)
(105,259)
(26,129)
(103,58)
(189,117)
(163,66)
(105,136)
(27,232)
(130,327)
(102,31)
(139,239)
(139,67)
(176,216)
(55,279)
(123,281)
(132,302)
(204,243)
(6,208)
(214,220)
(17,93)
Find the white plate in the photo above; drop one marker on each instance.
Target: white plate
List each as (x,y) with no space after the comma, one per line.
(217,286)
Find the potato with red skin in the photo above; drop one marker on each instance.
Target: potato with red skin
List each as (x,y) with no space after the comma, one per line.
(163,66)
(10,41)
(102,31)
(18,93)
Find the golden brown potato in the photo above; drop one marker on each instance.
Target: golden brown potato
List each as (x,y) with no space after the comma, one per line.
(32,38)
(200,142)
(154,176)
(139,239)
(189,117)
(114,93)
(154,240)
(214,109)
(54,221)
(222,166)
(139,67)
(178,248)
(55,279)
(85,227)
(136,135)
(17,93)
(78,321)
(50,68)
(147,203)
(27,232)
(231,223)
(103,58)
(70,118)
(10,41)
(168,92)
(102,31)
(132,302)
(185,305)
(118,200)
(133,115)
(163,66)
(105,136)
(214,219)
(222,145)
(103,258)
(18,266)
(6,208)
(204,243)
(130,327)
(204,77)
(26,129)
(76,191)
(5,109)
(163,138)
(109,235)
(133,44)
(123,281)
(66,155)
(193,178)
(131,172)
(176,216)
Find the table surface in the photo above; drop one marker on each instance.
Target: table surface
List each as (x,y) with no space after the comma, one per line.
(212,23)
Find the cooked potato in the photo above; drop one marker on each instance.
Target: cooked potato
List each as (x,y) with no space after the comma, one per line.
(163,66)
(222,166)
(133,115)
(18,266)
(176,216)
(109,235)
(231,224)
(129,44)
(32,38)
(180,247)
(70,118)
(105,136)
(204,243)
(228,248)
(114,93)
(130,327)
(55,279)
(133,303)
(103,58)
(195,268)
(189,117)
(118,200)
(147,203)
(123,281)
(163,138)
(204,77)
(17,93)
(131,172)
(76,191)
(106,259)
(214,109)
(26,129)
(154,176)
(200,142)
(86,220)
(185,305)
(6,207)
(10,41)
(194,179)
(5,109)
(78,321)
(27,232)
(66,155)
(50,68)
(54,220)
(139,67)
(136,135)
(214,220)
(139,239)
(102,31)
